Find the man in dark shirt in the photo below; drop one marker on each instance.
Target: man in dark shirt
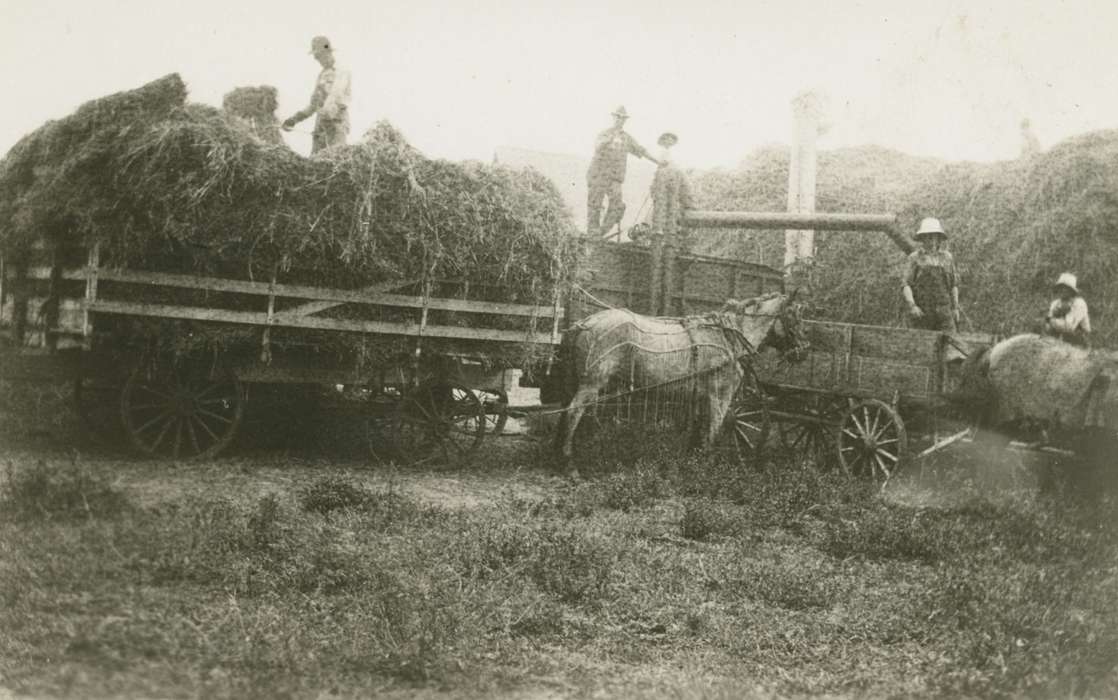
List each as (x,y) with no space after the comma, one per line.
(607,173)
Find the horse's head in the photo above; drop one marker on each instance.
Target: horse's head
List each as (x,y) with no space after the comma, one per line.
(774,320)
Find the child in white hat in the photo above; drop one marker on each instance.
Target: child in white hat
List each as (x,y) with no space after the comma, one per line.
(1067,317)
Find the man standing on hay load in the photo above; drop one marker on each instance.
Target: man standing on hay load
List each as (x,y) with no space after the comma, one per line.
(1067,317)
(671,192)
(607,174)
(931,284)
(329,101)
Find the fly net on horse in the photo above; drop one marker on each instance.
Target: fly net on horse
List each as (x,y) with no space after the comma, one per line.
(657,362)
(670,369)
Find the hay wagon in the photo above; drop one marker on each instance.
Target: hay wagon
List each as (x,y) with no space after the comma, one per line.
(866,395)
(134,342)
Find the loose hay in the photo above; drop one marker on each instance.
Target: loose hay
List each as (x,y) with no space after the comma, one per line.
(177,187)
(255,109)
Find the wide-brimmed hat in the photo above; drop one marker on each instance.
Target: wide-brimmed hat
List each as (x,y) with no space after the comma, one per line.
(321,42)
(667,139)
(620,112)
(929,226)
(1067,280)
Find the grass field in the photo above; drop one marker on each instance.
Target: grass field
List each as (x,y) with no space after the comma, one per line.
(312,574)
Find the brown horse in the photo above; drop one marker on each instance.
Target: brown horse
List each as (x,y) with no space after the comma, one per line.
(1031,386)
(618,347)
(1038,380)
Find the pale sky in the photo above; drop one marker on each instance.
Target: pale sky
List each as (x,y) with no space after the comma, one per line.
(950,79)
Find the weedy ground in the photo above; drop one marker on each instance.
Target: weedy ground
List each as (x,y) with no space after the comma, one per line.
(279,573)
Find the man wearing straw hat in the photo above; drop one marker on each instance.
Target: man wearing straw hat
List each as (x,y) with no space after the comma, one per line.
(931,283)
(607,174)
(1067,317)
(329,101)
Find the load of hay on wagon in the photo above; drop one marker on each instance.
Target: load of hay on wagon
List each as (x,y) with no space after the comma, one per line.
(163,184)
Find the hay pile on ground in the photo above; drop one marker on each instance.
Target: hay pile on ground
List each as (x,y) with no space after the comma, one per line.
(155,179)
(1015,226)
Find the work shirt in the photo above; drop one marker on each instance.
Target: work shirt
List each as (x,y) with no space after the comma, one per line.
(931,276)
(331,96)
(611,155)
(1069,318)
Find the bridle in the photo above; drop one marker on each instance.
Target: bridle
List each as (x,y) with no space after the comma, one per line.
(791,320)
(790,317)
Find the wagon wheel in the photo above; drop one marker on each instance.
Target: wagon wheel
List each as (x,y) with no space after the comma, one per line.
(747,421)
(439,422)
(181,412)
(813,437)
(97,402)
(871,440)
(496,404)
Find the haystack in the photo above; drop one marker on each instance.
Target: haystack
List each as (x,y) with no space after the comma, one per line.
(1014,226)
(254,108)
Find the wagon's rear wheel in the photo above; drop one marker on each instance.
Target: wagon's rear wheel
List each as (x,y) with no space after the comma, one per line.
(872,441)
(813,435)
(440,422)
(747,423)
(185,411)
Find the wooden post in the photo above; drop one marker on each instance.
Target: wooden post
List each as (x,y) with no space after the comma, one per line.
(554,329)
(656,295)
(19,303)
(3,287)
(799,244)
(422,326)
(50,306)
(266,340)
(92,269)
(667,304)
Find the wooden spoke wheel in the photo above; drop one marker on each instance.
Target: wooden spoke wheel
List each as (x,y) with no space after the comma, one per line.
(812,433)
(438,423)
(97,402)
(747,425)
(496,404)
(181,412)
(871,440)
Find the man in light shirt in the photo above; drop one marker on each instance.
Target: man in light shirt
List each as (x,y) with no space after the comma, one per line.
(1067,317)
(329,101)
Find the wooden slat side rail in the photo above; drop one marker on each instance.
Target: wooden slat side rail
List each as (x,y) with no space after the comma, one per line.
(315,322)
(299,291)
(314,307)
(318,294)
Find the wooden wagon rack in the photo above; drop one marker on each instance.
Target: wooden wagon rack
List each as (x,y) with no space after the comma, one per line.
(63,314)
